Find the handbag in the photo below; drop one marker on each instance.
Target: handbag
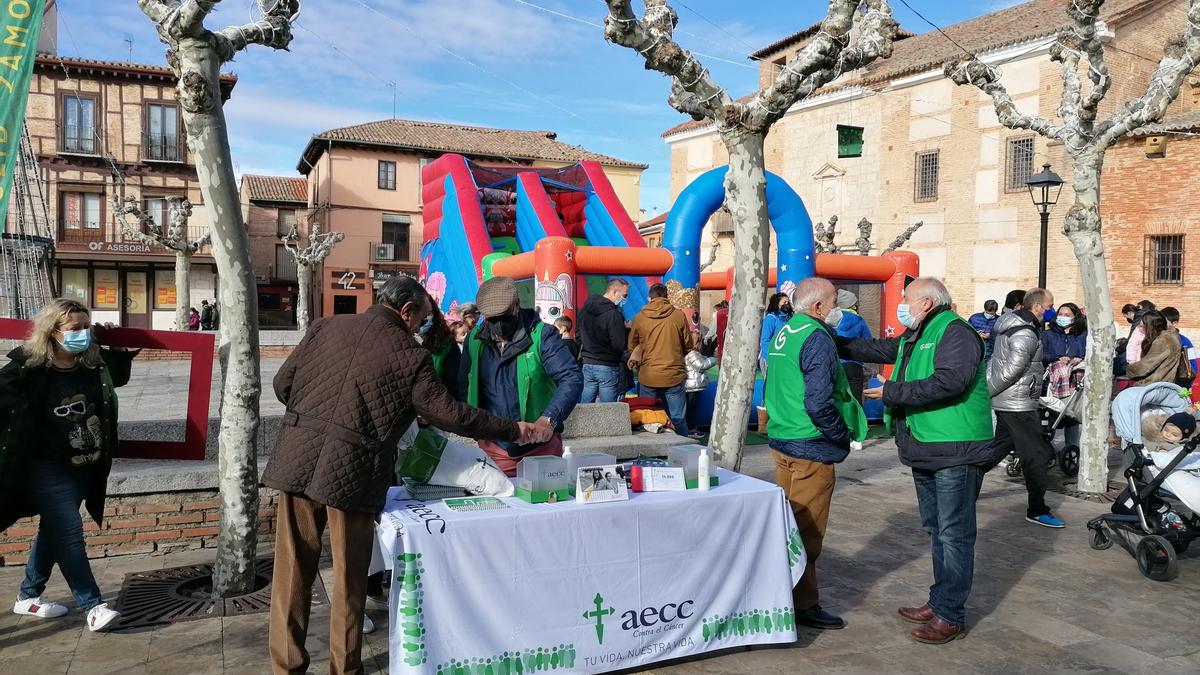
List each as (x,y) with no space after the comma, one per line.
(1184,373)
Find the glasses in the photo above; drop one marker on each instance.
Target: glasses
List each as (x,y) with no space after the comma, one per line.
(77,408)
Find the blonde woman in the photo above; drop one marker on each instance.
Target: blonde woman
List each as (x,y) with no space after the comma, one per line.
(59,415)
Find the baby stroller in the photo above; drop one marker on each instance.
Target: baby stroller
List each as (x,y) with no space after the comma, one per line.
(1056,414)
(1150,528)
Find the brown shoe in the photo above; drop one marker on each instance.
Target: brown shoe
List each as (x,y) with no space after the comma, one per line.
(938,632)
(922,614)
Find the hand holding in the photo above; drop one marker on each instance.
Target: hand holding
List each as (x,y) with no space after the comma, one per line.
(528,433)
(874,393)
(544,429)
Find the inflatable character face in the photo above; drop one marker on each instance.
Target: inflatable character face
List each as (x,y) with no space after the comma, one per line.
(436,285)
(553,299)
(787,287)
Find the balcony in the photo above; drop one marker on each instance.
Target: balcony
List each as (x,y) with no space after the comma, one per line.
(164,148)
(81,140)
(389,252)
(108,238)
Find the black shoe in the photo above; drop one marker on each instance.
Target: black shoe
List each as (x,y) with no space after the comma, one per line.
(815,617)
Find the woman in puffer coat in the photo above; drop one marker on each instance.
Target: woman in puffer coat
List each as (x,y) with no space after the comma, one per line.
(1161,353)
(698,366)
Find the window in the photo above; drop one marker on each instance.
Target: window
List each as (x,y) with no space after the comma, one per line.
(162,137)
(395,232)
(387,175)
(286,220)
(156,208)
(420,179)
(1164,259)
(79,125)
(105,289)
(80,212)
(1018,164)
(75,284)
(776,67)
(164,289)
(285,264)
(926,179)
(850,141)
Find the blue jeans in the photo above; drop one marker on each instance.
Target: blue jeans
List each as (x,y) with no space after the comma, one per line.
(602,381)
(56,491)
(946,499)
(676,400)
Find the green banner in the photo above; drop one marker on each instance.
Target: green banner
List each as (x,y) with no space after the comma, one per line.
(20,23)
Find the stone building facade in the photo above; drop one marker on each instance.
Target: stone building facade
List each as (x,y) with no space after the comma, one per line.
(271,207)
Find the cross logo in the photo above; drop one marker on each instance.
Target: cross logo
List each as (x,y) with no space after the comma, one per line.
(598,614)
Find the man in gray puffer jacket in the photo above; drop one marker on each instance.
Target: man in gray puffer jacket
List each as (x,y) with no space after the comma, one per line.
(1015,383)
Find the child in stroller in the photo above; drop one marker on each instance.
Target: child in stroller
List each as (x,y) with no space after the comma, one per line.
(1160,435)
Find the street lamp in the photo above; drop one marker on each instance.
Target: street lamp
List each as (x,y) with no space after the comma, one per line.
(1044,188)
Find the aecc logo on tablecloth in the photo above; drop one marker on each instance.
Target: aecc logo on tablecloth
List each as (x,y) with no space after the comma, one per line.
(634,620)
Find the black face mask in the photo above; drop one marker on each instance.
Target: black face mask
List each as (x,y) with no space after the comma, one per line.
(505,327)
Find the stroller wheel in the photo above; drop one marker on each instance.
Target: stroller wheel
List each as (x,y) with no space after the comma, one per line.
(1156,558)
(1100,540)
(1013,468)
(1068,460)
(1181,546)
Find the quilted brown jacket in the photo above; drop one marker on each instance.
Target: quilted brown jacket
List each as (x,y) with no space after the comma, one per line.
(351,387)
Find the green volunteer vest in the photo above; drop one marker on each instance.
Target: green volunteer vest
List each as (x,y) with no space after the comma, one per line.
(966,418)
(787,418)
(534,386)
(439,359)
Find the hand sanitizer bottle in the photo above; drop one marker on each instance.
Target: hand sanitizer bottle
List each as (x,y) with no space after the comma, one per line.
(570,457)
(704,469)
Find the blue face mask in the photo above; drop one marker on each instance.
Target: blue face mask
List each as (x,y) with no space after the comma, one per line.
(76,341)
(1065,321)
(904,316)
(426,325)
(989,315)
(621,303)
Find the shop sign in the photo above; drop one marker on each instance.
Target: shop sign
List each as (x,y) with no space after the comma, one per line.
(117,247)
(346,281)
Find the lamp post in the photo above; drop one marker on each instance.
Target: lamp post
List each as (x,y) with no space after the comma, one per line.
(1044,188)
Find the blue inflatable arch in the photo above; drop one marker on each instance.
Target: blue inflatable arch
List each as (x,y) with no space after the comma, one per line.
(796,254)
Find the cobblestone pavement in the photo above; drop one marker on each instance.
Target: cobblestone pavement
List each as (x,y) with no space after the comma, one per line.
(157,390)
(1043,601)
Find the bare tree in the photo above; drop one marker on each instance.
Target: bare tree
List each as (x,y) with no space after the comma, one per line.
(904,236)
(196,54)
(743,126)
(1086,140)
(824,234)
(307,258)
(173,237)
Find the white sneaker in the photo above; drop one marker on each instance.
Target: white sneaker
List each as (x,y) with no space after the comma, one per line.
(39,607)
(368,625)
(100,616)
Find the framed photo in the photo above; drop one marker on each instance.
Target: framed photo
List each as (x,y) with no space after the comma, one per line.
(596,484)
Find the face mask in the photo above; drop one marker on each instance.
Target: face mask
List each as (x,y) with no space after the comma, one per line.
(834,318)
(505,327)
(904,316)
(76,341)
(426,325)
(621,303)
(1065,321)
(989,316)
(786,309)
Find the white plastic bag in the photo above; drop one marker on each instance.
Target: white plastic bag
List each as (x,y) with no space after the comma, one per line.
(428,456)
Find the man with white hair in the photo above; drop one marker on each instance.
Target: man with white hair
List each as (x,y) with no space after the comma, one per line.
(813,419)
(938,405)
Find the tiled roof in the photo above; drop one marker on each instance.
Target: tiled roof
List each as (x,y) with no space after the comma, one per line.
(802,36)
(118,67)
(1003,28)
(275,188)
(472,141)
(1188,121)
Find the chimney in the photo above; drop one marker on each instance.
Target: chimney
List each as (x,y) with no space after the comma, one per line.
(48,38)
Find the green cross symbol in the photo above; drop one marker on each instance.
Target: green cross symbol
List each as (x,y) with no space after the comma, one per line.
(598,614)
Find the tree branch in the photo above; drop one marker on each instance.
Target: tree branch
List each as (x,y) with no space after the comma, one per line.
(693,90)
(987,79)
(1180,57)
(273,29)
(177,19)
(826,57)
(320,245)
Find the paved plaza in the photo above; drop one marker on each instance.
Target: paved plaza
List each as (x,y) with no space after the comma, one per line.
(1043,601)
(157,390)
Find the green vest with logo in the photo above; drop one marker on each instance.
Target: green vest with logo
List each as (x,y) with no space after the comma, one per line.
(968,417)
(534,386)
(784,397)
(439,359)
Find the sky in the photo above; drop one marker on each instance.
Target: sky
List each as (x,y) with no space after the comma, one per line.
(517,64)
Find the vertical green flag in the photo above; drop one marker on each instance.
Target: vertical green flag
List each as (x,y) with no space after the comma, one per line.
(20,23)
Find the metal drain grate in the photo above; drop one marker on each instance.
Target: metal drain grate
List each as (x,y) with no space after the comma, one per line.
(158,597)
(1070,488)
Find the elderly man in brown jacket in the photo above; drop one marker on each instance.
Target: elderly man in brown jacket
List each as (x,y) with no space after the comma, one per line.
(351,388)
(660,341)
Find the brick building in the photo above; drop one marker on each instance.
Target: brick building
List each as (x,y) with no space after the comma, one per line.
(1150,205)
(271,207)
(898,143)
(88,118)
(364,181)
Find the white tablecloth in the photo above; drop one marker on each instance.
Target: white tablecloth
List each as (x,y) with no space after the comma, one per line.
(573,588)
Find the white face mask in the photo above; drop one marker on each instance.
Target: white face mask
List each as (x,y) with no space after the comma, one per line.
(834,318)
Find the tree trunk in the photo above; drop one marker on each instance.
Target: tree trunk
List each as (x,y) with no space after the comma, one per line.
(746,198)
(207,137)
(304,279)
(1083,229)
(183,289)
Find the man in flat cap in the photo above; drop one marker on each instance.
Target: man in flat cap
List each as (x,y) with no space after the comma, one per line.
(852,326)
(517,367)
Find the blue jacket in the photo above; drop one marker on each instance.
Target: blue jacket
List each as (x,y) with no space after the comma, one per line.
(771,325)
(853,326)
(982,324)
(498,375)
(1057,344)
(819,365)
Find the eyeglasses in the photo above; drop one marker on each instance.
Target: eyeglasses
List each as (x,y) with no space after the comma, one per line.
(78,408)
